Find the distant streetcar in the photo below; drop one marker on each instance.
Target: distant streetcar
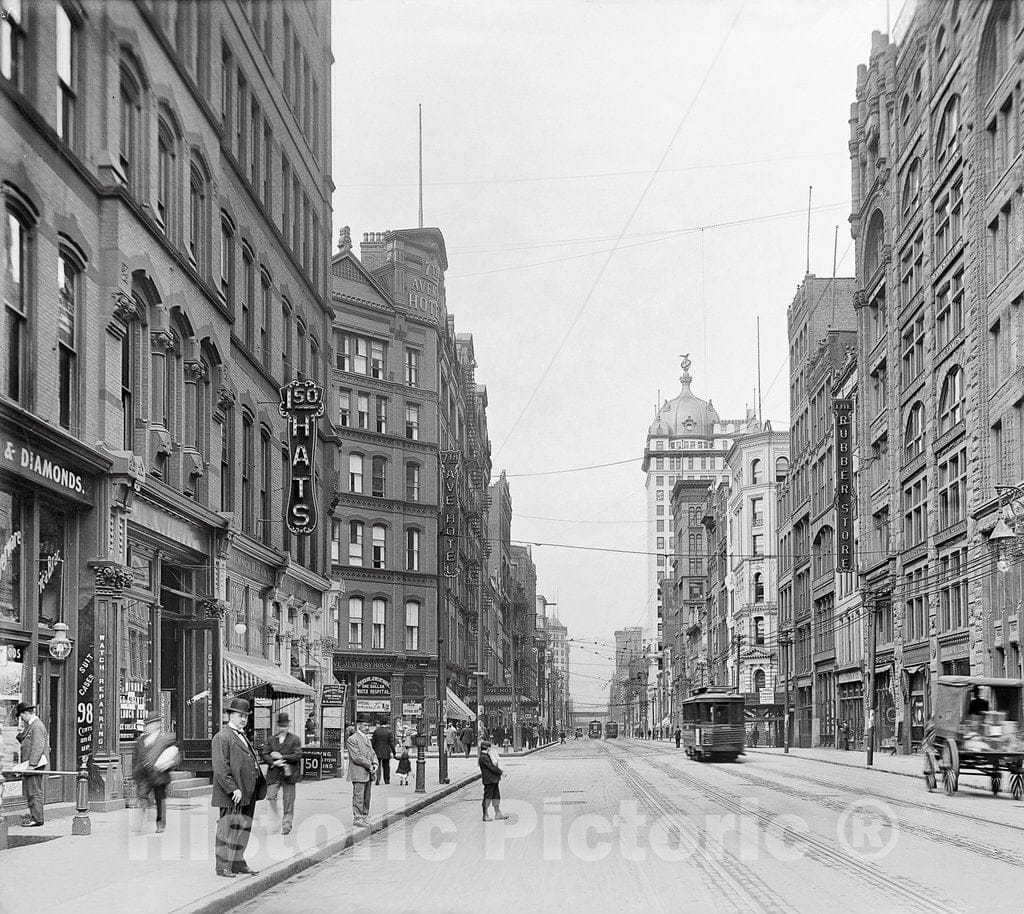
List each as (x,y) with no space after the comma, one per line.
(611,731)
(594,731)
(712,725)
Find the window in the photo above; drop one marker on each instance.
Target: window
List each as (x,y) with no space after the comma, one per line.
(131,115)
(953,591)
(912,344)
(379,608)
(376,359)
(382,415)
(248,303)
(911,269)
(781,469)
(286,339)
(363,411)
(355,622)
(949,311)
(255,144)
(999,234)
(412,422)
(355,543)
(759,680)
(757,512)
(286,192)
(16,304)
(916,601)
(68,288)
(949,219)
(758,588)
(226,94)
(915,513)
(412,482)
(127,385)
(949,128)
(996,452)
(196,214)
(412,367)
(12,43)
(266,487)
(940,48)
(412,626)
(248,468)
(758,630)
(355,473)
(757,544)
(227,460)
(412,549)
(345,408)
(952,489)
(379,546)
(67,74)
(268,163)
(911,189)
(266,300)
(913,440)
(995,345)
(300,345)
(227,261)
(951,400)
(379,477)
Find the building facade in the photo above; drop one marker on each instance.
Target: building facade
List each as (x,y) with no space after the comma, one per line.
(167,204)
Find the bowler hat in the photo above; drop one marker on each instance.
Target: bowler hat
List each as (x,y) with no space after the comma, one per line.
(283,719)
(154,718)
(23,706)
(238,705)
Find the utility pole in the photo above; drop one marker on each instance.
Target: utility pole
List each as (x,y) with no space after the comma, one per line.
(784,642)
(739,641)
(868,602)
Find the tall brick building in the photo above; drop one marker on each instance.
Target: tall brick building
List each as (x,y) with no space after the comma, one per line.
(935,150)
(166,192)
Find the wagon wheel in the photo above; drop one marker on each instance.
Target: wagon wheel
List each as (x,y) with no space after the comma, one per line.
(1017,785)
(929,769)
(950,767)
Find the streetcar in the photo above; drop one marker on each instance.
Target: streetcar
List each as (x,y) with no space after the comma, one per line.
(712,725)
(611,731)
(976,727)
(594,730)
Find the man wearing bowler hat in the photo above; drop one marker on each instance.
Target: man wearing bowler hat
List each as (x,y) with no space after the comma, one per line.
(35,755)
(283,756)
(238,783)
(153,758)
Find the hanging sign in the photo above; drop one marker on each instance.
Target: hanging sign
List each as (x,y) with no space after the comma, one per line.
(450,467)
(302,403)
(843,410)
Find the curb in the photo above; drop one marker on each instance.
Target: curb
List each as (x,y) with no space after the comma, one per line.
(231,896)
(828,761)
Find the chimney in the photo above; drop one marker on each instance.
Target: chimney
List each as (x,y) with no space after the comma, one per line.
(371,251)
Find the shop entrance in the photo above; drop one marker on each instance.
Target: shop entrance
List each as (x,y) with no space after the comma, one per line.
(49,676)
(187,681)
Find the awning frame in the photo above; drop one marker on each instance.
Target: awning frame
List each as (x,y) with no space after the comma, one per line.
(245,673)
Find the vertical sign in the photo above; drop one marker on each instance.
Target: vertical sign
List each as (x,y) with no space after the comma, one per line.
(302,403)
(450,513)
(844,483)
(85,710)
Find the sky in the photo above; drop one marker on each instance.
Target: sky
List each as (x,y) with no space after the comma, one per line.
(618,182)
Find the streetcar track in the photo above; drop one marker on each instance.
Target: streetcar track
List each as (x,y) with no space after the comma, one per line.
(745,891)
(819,849)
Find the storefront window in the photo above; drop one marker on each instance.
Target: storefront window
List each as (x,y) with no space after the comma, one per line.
(11,678)
(135,673)
(11,548)
(52,553)
(142,569)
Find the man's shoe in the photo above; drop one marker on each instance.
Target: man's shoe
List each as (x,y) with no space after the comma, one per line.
(227,874)
(246,871)
(160,827)
(501,815)
(30,823)
(287,830)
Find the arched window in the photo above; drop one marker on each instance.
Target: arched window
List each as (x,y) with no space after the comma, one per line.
(355,473)
(69,288)
(874,238)
(379,546)
(379,608)
(412,482)
(412,549)
(130,152)
(355,542)
(198,218)
(355,622)
(379,477)
(951,399)
(166,177)
(68,49)
(781,469)
(948,132)
(911,189)
(266,487)
(248,298)
(226,282)
(913,438)
(18,245)
(997,45)
(758,587)
(248,472)
(755,472)
(227,460)
(412,625)
(759,680)
(940,48)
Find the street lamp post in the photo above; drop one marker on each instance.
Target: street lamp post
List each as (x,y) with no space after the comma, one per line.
(784,642)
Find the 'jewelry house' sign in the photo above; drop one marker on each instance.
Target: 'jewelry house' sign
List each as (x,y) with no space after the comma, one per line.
(302,403)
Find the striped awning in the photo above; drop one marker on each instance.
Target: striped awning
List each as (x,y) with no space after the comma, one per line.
(243,673)
(456,708)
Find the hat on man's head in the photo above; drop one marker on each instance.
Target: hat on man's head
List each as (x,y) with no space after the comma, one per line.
(238,706)
(154,718)
(23,706)
(283,719)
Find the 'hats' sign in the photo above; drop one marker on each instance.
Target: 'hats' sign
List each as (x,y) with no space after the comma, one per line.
(302,403)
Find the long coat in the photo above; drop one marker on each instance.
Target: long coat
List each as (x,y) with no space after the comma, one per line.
(35,743)
(291,751)
(383,742)
(235,767)
(360,758)
(144,759)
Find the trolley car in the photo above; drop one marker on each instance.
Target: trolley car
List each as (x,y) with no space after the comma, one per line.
(611,731)
(594,730)
(975,727)
(712,725)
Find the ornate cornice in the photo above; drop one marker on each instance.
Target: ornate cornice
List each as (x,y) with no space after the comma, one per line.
(112,578)
(214,609)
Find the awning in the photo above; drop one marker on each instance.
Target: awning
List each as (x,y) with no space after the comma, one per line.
(243,673)
(456,708)
(666,722)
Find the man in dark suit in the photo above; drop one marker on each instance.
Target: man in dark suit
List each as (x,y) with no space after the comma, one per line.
(35,756)
(383,742)
(361,767)
(238,783)
(283,755)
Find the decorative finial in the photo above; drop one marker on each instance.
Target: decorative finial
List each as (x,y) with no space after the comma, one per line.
(685,377)
(344,240)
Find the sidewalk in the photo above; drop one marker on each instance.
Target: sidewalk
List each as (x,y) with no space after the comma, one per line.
(65,874)
(910,766)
